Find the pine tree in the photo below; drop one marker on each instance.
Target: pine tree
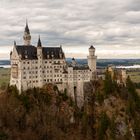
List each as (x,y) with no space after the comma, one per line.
(108,83)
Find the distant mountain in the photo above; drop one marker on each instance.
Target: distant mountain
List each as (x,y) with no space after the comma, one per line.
(100,62)
(4,62)
(106,62)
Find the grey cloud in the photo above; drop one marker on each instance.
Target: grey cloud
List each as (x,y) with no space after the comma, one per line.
(72,23)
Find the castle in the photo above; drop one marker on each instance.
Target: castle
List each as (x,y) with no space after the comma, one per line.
(35,66)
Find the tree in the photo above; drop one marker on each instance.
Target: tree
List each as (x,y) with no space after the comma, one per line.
(108,83)
(103,126)
(112,127)
(133,96)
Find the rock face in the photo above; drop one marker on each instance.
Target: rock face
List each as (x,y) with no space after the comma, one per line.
(110,112)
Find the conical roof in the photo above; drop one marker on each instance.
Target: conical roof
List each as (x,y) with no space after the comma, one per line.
(39,44)
(27,28)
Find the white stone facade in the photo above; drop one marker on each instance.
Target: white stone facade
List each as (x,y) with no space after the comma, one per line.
(36,66)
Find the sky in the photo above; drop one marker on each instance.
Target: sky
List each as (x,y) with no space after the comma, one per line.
(112,26)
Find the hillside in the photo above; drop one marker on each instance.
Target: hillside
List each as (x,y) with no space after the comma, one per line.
(110,112)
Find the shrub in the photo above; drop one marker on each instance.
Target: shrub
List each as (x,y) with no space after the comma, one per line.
(3,136)
(25,101)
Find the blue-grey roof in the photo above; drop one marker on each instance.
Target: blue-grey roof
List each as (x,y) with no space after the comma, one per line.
(31,52)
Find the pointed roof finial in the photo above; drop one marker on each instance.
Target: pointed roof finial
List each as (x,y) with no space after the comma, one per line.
(92,47)
(39,44)
(73,58)
(26,27)
(14,43)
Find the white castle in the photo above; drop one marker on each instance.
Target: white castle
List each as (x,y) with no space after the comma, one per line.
(35,66)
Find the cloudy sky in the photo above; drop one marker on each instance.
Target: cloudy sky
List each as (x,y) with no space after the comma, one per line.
(112,26)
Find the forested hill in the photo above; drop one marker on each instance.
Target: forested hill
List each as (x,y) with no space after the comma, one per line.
(100,62)
(110,112)
(106,62)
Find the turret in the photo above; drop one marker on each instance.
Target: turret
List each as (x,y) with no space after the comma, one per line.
(39,49)
(92,59)
(73,62)
(92,51)
(61,52)
(15,43)
(39,44)
(27,36)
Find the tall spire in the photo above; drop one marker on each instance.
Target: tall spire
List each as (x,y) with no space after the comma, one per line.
(27,36)
(27,28)
(14,43)
(39,44)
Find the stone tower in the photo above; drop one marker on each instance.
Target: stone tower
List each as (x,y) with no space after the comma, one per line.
(92,59)
(40,62)
(27,36)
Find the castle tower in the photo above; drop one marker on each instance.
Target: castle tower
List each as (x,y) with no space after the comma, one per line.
(39,49)
(40,62)
(73,62)
(92,59)
(27,36)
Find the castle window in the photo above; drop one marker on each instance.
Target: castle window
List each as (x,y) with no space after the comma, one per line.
(27,62)
(24,77)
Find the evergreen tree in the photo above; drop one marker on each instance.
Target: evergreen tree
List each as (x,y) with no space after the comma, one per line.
(112,127)
(103,126)
(133,97)
(108,83)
